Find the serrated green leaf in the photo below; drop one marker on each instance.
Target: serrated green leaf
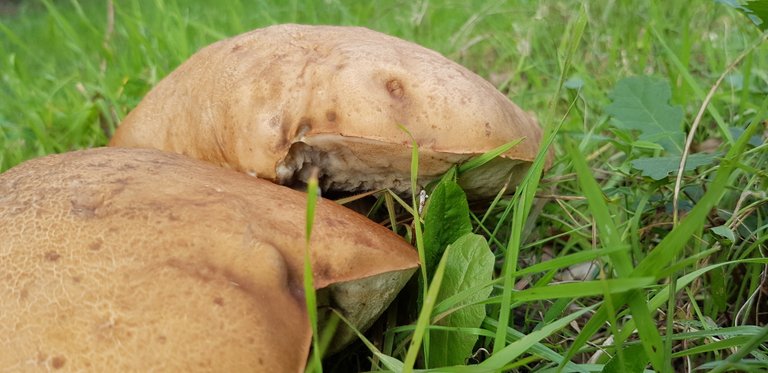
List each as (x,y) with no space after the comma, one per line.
(447,219)
(469,264)
(658,168)
(641,103)
(633,359)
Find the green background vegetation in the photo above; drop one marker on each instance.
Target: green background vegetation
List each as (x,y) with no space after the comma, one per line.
(71,70)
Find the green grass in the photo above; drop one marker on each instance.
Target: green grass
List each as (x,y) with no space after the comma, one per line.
(668,294)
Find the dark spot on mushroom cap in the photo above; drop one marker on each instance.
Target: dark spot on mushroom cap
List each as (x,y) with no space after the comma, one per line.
(95,245)
(395,88)
(58,362)
(330,115)
(52,256)
(323,270)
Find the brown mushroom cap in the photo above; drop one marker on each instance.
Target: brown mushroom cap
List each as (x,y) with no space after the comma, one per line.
(131,260)
(272,101)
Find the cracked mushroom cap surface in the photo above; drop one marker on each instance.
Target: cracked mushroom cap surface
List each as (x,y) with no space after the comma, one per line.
(135,259)
(276,100)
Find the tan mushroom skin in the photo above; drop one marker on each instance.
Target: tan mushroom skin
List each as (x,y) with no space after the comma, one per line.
(273,101)
(138,260)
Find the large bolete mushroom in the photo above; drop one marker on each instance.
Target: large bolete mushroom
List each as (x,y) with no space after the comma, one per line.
(138,260)
(274,101)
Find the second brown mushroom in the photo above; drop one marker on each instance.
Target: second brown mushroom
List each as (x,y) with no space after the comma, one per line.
(278,101)
(138,260)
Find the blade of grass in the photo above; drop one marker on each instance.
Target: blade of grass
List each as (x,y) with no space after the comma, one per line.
(309,287)
(488,156)
(523,199)
(697,120)
(722,344)
(676,239)
(606,226)
(326,336)
(390,203)
(425,314)
(583,288)
(418,232)
(408,208)
(663,294)
(390,362)
(500,358)
(610,237)
(538,349)
(655,263)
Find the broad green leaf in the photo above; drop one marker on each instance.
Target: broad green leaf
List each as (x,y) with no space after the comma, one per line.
(469,263)
(633,359)
(658,168)
(446,219)
(641,104)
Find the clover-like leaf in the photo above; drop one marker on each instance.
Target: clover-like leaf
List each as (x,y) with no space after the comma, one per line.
(641,103)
